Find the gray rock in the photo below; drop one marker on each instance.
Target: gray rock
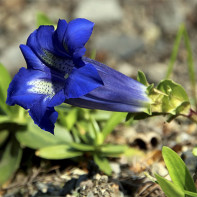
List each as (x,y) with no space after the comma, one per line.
(115,167)
(190,161)
(99,11)
(155,72)
(169,15)
(127,69)
(121,46)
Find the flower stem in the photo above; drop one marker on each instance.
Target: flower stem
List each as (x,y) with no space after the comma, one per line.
(192,116)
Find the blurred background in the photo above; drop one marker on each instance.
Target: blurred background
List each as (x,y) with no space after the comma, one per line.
(128,34)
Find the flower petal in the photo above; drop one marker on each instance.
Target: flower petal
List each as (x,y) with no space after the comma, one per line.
(39,92)
(45,117)
(33,62)
(82,81)
(117,85)
(77,34)
(41,44)
(58,36)
(18,89)
(41,39)
(118,93)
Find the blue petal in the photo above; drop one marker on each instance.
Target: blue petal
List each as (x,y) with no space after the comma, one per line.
(82,81)
(77,34)
(17,91)
(107,105)
(41,43)
(45,117)
(116,82)
(59,35)
(33,62)
(41,39)
(39,92)
(119,92)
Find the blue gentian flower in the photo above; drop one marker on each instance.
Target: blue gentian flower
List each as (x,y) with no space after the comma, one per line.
(57,72)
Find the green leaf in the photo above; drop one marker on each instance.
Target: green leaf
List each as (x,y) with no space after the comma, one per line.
(191,67)
(58,152)
(178,171)
(36,138)
(194,151)
(3,136)
(115,119)
(10,160)
(42,19)
(175,50)
(190,193)
(100,115)
(93,54)
(5,80)
(142,78)
(113,149)
(82,147)
(103,164)
(170,189)
(71,118)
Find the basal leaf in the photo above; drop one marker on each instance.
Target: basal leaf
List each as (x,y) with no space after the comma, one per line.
(82,147)
(103,164)
(5,80)
(58,152)
(178,171)
(113,149)
(170,189)
(188,193)
(36,138)
(3,136)
(10,160)
(114,120)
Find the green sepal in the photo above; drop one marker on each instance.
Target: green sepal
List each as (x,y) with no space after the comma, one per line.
(142,78)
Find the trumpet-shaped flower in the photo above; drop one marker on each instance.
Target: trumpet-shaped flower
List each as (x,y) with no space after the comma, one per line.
(57,72)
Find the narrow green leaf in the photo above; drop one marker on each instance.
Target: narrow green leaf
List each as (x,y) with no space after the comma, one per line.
(194,151)
(175,51)
(170,189)
(190,63)
(36,138)
(113,149)
(93,54)
(58,152)
(70,119)
(5,80)
(190,193)
(82,147)
(115,119)
(10,160)
(3,136)
(103,164)
(178,171)
(100,115)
